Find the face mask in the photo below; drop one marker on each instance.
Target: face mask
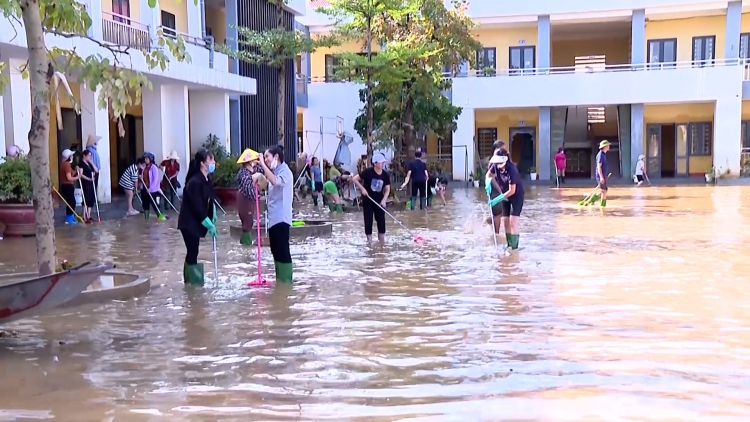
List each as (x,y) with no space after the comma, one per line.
(274,164)
(211,168)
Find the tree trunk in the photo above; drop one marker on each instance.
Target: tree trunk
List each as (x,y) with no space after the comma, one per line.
(40,73)
(408,123)
(281,117)
(370,117)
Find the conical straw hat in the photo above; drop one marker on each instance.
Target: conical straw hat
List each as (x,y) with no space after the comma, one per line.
(247,156)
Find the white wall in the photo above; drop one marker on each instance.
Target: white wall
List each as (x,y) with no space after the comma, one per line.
(209,114)
(166,125)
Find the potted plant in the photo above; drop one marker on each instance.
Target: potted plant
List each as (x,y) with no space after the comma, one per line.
(225,180)
(16,206)
(532,173)
(711,175)
(488,71)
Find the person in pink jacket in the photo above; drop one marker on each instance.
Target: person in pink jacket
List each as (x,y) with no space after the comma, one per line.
(560,164)
(150,190)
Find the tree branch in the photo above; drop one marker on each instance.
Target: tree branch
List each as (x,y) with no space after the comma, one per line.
(110,47)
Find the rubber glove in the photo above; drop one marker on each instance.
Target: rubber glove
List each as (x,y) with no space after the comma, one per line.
(207,223)
(312,183)
(488,185)
(497,200)
(216,216)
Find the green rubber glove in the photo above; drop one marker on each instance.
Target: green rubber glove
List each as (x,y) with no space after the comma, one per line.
(497,200)
(207,223)
(488,185)
(216,216)
(312,183)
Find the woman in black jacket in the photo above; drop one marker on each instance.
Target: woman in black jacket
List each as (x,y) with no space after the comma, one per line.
(197,213)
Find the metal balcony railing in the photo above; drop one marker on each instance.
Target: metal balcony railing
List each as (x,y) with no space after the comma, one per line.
(125,31)
(301,81)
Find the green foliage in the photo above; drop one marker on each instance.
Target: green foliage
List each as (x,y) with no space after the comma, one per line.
(273,47)
(225,175)
(15,180)
(214,145)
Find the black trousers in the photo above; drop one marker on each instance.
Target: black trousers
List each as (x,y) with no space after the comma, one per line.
(148,202)
(68,193)
(418,188)
(373,213)
(192,244)
(278,237)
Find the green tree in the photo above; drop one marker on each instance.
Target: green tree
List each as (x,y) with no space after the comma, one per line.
(362,20)
(276,47)
(119,86)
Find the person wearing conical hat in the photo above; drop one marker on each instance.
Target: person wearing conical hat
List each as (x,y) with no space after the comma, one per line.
(602,171)
(246,200)
(170,166)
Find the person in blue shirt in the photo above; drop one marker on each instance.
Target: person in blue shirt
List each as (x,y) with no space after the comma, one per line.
(504,185)
(602,171)
(417,173)
(315,173)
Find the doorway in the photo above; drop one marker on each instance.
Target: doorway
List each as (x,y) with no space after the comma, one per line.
(668,151)
(126,145)
(523,148)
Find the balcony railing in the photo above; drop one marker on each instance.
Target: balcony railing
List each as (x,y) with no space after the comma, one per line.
(122,30)
(301,81)
(173,33)
(627,67)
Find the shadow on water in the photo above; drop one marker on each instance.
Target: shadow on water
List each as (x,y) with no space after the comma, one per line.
(637,312)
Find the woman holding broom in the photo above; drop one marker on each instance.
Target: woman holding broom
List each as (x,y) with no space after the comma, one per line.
(197,213)
(246,200)
(506,190)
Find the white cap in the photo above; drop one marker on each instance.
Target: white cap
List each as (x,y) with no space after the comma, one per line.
(12,151)
(378,157)
(500,160)
(641,157)
(67,153)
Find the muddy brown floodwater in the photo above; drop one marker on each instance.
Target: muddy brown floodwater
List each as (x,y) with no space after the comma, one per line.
(641,312)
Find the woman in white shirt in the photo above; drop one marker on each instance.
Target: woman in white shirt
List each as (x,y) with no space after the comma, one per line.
(640,171)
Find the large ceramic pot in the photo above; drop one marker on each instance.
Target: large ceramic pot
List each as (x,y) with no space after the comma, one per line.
(18,219)
(227,196)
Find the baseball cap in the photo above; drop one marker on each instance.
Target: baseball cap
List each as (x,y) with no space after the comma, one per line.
(378,157)
(67,153)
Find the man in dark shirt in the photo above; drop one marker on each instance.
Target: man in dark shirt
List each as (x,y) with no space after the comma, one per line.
(417,173)
(602,171)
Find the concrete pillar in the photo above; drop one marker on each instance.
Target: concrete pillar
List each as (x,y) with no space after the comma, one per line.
(546,163)
(166,125)
(17,106)
(234,126)
(734,20)
(727,151)
(230,12)
(95,121)
(195,25)
(638,38)
(209,114)
(94,10)
(544,49)
(150,16)
(463,146)
(636,132)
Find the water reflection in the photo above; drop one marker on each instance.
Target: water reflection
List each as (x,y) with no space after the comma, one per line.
(638,311)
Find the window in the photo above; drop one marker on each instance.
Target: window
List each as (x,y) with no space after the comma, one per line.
(745,136)
(121,10)
(522,59)
(485,138)
(445,145)
(700,137)
(486,58)
(662,53)
(168,24)
(744,48)
(331,63)
(704,52)
(298,65)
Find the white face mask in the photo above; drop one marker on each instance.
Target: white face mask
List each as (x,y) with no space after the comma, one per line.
(274,164)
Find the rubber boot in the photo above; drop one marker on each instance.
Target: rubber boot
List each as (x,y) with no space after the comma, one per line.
(593,199)
(315,201)
(193,274)
(284,272)
(331,207)
(413,203)
(603,204)
(421,203)
(246,239)
(509,239)
(562,179)
(147,214)
(339,207)
(514,239)
(429,201)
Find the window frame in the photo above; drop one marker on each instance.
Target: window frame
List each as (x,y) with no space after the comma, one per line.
(168,31)
(745,133)
(703,62)
(330,71)
(480,147)
(117,11)
(483,54)
(705,150)
(521,70)
(660,42)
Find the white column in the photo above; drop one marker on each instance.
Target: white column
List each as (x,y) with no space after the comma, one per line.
(17,106)
(94,9)
(166,125)
(150,16)
(95,121)
(463,146)
(727,151)
(209,114)
(2,129)
(546,163)
(194,18)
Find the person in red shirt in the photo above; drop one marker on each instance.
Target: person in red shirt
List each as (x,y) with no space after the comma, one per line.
(560,164)
(171,168)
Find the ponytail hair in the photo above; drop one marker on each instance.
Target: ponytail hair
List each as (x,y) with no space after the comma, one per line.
(277,150)
(195,164)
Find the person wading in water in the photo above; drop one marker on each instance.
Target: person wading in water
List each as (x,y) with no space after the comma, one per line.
(197,213)
(246,200)
(375,185)
(507,196)
(280,196)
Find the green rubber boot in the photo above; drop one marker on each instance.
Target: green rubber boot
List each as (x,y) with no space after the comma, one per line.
(594,199)
(509,239)
(147,214)
(603,204)
(193,274)
(331,207)
(284,272)
(339,208)
(514,239)
(246,239)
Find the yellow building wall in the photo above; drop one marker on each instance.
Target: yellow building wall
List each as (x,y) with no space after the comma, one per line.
(745,23)
(216,19)
(681,113)
(685,29)
(135,8)
(564,52)
(504,38)
(746,110)
(179,10)
(318,58)
(54,153)
(505,119)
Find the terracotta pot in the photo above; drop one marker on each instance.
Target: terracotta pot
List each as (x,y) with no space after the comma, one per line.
(18,219)
(227,196)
